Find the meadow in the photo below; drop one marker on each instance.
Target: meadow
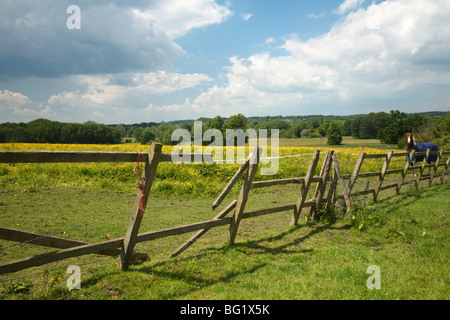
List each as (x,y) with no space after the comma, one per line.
(405,235)
(172,179)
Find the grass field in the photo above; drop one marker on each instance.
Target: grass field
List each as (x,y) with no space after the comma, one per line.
(347,142)
(405,235)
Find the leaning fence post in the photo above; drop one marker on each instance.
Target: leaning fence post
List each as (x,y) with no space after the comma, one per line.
(304,192)
(231,183)
(405,170)
(354,175)
(321,186)
(140,204)
(337,170)
(422,167)
(243,195)
(382,174)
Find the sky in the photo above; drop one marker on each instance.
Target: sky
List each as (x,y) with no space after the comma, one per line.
(116,61)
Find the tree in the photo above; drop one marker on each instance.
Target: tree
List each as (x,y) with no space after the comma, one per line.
(70,133)
(20,134)
(415,122)
(215,123)
(235,122)
(368,126)
(218,124)
(446,123)
(355,128)
(6,131)
(137,134)
(298,127)
(305,133)
(334,134)
(397,115)
(164,134)
(393,133)
(346,129)
(146,136)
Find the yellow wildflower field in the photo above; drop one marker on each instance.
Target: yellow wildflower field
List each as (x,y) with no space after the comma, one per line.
(171,178)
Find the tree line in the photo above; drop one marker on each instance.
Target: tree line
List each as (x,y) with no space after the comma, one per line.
(46,131)
(389,128)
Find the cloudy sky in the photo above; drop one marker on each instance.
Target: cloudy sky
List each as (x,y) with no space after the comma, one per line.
(161,60)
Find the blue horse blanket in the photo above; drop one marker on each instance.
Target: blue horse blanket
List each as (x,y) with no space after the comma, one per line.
(422,147)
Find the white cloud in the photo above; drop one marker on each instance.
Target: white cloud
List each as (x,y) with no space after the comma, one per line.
(246,16)
(177,17)
(10,99)
(316,16)
(187,108)
(270,40)
(106,91)
(30,113)
(18,106)
(348,5)
(386,50)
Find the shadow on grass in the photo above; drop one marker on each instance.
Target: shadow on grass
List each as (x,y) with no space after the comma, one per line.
(195,281)
(220,265)
(200,279)
(262,247)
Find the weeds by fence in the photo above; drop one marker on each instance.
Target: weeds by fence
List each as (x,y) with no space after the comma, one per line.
(330,187)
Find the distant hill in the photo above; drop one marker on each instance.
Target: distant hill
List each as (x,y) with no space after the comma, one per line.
(279,117)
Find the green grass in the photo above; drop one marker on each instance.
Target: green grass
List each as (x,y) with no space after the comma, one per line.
(347,142)
(406,236)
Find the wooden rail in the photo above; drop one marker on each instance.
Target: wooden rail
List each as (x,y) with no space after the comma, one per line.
(86,156)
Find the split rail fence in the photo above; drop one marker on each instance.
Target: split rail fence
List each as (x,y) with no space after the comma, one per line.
(330,175)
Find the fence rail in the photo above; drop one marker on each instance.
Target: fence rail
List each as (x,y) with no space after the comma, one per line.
(85,156)
(330,176)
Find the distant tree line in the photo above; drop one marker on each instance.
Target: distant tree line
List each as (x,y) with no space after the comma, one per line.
(46,131)
(389,128)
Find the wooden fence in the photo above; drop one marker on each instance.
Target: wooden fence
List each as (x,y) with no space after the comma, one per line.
(123,247)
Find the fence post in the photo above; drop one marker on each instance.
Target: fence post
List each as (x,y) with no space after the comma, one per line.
(337,171)
(444,172)
(321,186)
(354,175)
(436,164)
(422,167)
(243,195)
(332,190)
(382,174)
(140,204)
(231,183)
(304,191)
(405,170)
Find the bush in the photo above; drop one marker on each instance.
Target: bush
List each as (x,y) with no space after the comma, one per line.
(334,134)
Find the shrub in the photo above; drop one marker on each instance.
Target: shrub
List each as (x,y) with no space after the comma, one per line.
(334,134)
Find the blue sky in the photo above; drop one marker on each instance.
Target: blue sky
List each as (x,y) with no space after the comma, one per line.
(160,60)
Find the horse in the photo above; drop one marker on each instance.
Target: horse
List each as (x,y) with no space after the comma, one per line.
(420,147)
